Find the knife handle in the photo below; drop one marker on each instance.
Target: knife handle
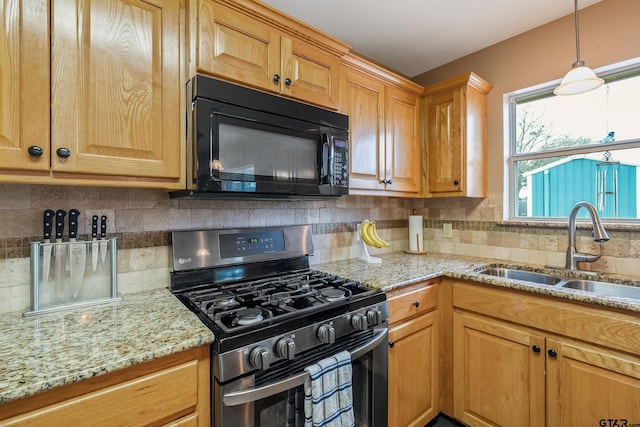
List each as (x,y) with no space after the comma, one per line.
(94,227)
(60,214)
(48,224)
(103,226)
(73,223)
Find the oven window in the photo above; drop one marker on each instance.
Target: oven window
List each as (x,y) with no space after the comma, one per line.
(287,408)
(284,409)
(248,154)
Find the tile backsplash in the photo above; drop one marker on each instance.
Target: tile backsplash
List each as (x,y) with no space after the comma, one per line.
(142,220)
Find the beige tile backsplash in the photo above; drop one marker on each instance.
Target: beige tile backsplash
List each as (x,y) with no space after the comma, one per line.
(143,218)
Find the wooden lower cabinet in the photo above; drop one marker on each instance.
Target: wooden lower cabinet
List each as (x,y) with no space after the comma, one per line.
(413,356)
(524,360)
(171,391)
(588,386)
(498,378)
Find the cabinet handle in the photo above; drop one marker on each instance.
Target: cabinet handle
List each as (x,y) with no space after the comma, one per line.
(536,349)
(276,78)
(416,304)
(552,353)
(35,151)
(63,152)
(382,181)
(456,182)
(287,82)
(391,344)
(389,182)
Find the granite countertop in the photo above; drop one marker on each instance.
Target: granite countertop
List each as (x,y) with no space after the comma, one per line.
(399,269)
(51,350)
(45,351)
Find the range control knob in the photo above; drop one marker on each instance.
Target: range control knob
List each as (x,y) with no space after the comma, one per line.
(286,348)
(327,334)
(374,316)
(259,358)
(359,322)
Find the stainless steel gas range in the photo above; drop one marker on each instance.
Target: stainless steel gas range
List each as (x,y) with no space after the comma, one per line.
(272,316)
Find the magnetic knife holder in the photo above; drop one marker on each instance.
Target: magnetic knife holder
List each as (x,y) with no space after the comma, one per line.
(97,286)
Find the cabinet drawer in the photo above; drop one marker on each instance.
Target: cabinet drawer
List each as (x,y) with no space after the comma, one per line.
(163,395)
(414,301)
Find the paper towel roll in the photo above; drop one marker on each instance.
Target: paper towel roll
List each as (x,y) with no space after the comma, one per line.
(415,233)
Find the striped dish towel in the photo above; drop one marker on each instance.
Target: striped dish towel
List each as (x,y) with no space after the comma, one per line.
(328,399)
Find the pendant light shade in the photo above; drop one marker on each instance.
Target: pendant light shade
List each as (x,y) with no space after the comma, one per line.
(580,78)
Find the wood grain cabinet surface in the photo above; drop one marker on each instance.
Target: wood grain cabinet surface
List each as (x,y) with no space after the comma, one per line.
(24,85)
(413,355)
(250,43)
(170,391)
(384,123)
(536,361)
(456,138)
(114,87)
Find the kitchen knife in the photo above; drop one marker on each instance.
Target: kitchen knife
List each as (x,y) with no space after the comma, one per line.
(103,240)
(78,254)
(94,245)
(46,247)
(60,252)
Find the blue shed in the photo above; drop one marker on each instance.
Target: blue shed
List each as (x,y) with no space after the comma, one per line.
(554,189)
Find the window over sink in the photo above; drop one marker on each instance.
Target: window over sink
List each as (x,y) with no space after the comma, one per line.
(564,149)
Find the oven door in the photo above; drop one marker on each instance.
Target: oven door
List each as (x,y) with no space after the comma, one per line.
(280,402)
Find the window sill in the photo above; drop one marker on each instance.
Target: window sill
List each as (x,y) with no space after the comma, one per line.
(558,223)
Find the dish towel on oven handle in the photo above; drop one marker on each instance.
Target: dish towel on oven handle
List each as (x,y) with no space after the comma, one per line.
(328,398)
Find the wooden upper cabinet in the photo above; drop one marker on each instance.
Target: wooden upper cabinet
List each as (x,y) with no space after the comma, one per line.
(24,85)
(384,116)
(236,46)
(363,101)
(115,95)
(403,148)
(252,44)
(455,133)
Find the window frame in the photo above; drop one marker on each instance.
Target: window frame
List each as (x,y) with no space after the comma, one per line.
(510,99)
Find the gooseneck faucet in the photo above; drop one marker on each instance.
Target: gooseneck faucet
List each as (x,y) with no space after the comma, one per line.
(599,235)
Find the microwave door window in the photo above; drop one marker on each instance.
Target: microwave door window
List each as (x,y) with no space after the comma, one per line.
(271,155)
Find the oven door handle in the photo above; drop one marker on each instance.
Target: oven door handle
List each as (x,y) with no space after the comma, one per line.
(255,394)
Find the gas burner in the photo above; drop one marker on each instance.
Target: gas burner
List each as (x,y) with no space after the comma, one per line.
(248,316)
(225,300)
(332,294)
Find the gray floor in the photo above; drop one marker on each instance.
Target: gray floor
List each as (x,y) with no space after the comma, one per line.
(443,421)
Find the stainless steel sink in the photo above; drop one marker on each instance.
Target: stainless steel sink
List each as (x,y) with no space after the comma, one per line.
(603,288)
(594,286)
(527,276)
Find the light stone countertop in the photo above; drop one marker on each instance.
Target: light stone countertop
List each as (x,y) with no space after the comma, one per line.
(51,350)
(45,351)
(399,269)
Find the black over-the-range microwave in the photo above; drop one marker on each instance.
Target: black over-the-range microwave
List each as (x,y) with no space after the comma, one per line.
(245,144)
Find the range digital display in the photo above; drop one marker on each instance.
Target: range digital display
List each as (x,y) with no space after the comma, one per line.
(254,243)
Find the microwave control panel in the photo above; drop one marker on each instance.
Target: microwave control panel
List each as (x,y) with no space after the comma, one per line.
(340,166)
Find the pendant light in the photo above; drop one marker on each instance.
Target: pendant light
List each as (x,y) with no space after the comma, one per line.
(580,78)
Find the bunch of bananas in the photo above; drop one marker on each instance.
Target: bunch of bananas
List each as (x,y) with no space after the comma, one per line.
(369,235)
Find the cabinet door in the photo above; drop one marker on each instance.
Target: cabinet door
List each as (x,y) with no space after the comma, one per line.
(24,84)
(309,74)
(413,371)
(588,386)
(362,99)
(402,141)
(237,47)
(446,133)
(498,377)
(115,88)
